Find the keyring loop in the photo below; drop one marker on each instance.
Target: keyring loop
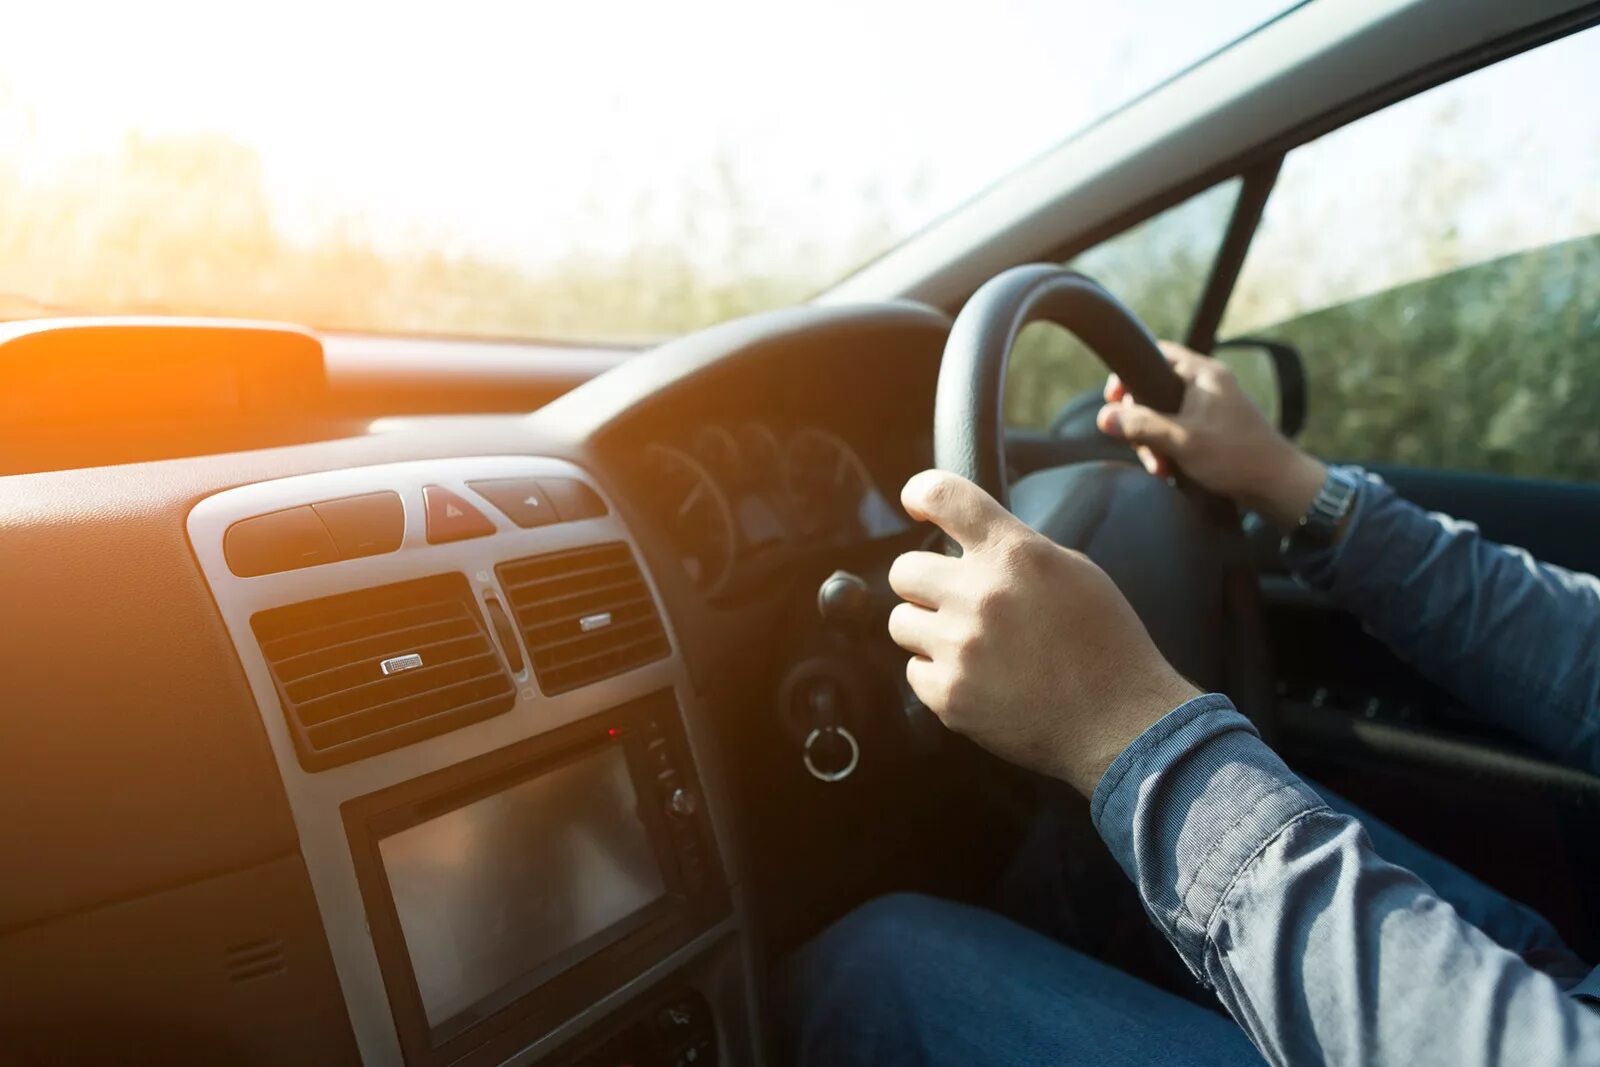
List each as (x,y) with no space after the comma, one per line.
(831,776)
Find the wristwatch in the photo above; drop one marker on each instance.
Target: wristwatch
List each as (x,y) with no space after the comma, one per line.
(1319,526)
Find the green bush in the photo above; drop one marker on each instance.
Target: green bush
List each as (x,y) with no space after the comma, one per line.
(1494,367)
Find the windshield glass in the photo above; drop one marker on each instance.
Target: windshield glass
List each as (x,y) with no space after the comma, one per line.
(599,171)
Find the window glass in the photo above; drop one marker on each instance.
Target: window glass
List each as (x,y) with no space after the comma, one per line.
(613,170)
(1157,268)
(1438,264)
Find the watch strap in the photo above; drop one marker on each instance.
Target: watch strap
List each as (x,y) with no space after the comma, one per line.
(1320,524)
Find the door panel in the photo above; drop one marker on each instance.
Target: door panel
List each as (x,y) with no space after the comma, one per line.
(1359,720)
(1559,522)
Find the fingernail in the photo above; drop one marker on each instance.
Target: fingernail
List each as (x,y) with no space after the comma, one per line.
(1110,420)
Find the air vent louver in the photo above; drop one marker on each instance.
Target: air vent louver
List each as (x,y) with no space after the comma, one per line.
(249,960)
(367,672)
(585,614)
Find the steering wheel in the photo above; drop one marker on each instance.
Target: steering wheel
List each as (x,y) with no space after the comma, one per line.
(1176,552)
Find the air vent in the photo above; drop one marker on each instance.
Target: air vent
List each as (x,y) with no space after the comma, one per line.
(249,960)
(367,672)
(585,614)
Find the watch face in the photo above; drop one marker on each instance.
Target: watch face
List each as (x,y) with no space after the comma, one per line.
(1322,520)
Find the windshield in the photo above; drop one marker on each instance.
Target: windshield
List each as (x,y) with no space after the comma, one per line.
(595,172)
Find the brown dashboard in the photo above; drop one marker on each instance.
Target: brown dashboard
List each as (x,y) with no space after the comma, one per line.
(158,903)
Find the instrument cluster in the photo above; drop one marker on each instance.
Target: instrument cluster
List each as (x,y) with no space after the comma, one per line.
(736,499)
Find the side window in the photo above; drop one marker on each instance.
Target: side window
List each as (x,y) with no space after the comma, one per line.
(1158,268)
(1438,265)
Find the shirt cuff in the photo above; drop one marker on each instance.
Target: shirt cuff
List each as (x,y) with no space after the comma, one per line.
(1187,807)
(1317,566)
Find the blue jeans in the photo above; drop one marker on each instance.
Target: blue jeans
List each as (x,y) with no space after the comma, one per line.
(909,980)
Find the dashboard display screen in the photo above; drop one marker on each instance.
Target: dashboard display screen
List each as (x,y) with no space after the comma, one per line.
(497,896)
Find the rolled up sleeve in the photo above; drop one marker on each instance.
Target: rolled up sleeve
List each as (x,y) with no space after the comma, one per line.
(1279,904)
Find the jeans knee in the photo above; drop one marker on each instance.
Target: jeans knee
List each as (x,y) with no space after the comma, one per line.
(871,944)
(895,915)
(855,984)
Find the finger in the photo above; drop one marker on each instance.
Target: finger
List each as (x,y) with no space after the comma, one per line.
(927,681)
(970,516)
(1154,462)
(1185,361)
(1140,425)
(915,629)
(1114,390)
(925,578)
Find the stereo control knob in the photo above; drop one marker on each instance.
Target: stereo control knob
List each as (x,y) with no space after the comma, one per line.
(682,803)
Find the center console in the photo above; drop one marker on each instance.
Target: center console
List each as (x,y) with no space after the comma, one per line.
(506,807)
(506,893)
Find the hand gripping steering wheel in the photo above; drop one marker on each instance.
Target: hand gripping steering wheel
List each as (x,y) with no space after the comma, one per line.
(1176,552)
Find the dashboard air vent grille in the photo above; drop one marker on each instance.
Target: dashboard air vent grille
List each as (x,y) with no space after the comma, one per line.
(585,614)
(366,672)
(249,960)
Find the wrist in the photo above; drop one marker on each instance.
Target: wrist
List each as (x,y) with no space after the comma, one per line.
(1290,483)
(1124,719)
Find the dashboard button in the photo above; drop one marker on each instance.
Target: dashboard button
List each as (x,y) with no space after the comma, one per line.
(450,518)
(521,499)
(280,541)
(572,499)
(367,525)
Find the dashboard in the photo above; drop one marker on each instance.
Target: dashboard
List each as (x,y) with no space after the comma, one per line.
(243,758)
(738,501)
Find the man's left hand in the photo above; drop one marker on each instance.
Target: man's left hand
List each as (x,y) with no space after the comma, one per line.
(1026,647)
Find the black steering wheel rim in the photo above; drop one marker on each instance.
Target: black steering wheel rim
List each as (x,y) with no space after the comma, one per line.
(1177,553)
(969,420)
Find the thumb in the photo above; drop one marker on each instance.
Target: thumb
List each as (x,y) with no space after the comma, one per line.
(1140,425)
(971,517)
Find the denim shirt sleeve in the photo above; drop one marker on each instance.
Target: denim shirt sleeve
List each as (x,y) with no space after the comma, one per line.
(1320,950)
(1517,641)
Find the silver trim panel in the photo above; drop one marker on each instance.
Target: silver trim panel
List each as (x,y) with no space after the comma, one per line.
(315,797)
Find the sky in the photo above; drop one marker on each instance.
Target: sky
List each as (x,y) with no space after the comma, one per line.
(1501,160)
(529,130)
(742,130)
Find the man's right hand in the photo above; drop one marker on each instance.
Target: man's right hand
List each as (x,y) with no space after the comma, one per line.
(1219,438)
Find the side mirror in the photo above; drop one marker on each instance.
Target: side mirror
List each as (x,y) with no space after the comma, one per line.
(1273,374)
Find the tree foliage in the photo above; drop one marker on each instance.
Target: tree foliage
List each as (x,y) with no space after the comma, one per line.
(1491,367)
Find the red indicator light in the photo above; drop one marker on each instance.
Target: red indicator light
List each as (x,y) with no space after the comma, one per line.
(612,731)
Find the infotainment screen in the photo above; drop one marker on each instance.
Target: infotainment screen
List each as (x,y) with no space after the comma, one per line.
(498,895)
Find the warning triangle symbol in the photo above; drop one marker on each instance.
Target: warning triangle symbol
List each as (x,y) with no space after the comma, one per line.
(451,511)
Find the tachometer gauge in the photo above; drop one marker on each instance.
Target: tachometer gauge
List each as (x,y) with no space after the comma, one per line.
(695,513)
(830,488)
(717,452)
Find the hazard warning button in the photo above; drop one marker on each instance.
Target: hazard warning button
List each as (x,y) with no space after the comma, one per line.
(450,518)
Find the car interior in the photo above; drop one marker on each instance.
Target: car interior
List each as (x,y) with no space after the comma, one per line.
(436,700)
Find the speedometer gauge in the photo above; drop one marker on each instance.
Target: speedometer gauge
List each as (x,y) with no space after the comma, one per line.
(696,515)
(829,487)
